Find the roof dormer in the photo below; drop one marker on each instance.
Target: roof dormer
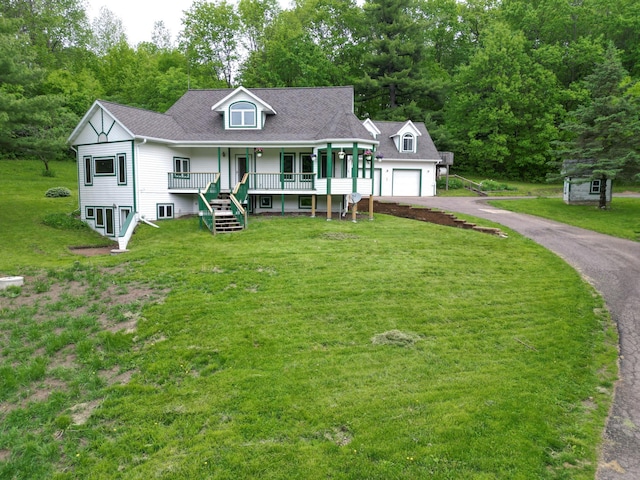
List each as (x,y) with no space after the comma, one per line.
(371,127)
(243,110)
(406,139)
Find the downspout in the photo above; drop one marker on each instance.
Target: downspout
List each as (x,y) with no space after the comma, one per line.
(133,173)
(354,167)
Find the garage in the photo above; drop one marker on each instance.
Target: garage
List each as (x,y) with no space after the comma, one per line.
(406,183)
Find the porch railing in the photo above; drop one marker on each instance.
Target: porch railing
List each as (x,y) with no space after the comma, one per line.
(281,181)
(191,180)
(238,197)
(211,192)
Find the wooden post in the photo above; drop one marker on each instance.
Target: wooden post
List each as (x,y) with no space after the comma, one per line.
(371,207)
(354,212)
(329,207)
(313,206)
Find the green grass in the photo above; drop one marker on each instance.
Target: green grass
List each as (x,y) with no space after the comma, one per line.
(621,220)
(302,348)
(517,189)
(25,211)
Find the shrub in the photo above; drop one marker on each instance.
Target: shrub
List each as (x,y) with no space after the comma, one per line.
(493,186)
(454,183)
(57,192)
(63,221)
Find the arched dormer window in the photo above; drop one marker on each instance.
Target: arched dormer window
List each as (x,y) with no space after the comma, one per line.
(408,143)
(243,115)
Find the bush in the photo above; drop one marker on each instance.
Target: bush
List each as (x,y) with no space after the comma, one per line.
(63,221)
(454,183)
(493,186)
(57,192)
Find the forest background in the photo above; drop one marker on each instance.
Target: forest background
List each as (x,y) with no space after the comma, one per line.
(502,84)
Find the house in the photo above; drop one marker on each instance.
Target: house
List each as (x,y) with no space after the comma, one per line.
(579,189)
(222,154)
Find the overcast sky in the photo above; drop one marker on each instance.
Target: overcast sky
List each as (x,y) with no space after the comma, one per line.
(138,16)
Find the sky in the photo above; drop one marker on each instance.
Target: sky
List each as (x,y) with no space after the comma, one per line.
(138,16)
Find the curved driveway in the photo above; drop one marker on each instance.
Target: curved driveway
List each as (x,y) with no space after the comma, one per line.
(612,266)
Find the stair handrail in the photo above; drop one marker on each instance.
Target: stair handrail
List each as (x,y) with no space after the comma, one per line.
(468,184)
(238,197)
(211,192)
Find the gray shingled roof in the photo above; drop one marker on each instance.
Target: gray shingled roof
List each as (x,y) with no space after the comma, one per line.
(426,149)
(303,114)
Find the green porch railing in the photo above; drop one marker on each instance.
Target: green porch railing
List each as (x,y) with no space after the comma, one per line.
(211,192)
(191,180)
(281,181)
(238,197)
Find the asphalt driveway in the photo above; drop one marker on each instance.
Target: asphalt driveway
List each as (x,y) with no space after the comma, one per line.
(612,266)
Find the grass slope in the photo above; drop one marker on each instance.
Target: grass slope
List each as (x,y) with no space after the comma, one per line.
(622,219)
(302,348)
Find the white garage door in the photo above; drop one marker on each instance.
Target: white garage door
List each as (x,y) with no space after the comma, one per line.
(406,183)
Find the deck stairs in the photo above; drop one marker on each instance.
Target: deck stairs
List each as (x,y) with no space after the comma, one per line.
(226,222)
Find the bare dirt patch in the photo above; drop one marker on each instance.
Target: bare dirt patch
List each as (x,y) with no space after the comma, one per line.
(93,251)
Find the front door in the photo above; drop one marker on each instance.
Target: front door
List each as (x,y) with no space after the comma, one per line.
(241,167)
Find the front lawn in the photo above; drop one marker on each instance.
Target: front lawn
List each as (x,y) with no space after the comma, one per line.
(302,348)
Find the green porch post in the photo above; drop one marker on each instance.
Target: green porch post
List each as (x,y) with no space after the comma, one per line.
(329,175)
(354,167)
(246,160)
(282,179)
(219,159)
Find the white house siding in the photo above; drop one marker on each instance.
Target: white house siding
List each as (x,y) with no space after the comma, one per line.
(101,128)
(583,193)
(399,178)
(292,204)
(104,191)
(154,162)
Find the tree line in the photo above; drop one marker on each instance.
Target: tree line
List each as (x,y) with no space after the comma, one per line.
(504,84)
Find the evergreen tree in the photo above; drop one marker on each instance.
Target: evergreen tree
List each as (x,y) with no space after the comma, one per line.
(394,68)
(605,132)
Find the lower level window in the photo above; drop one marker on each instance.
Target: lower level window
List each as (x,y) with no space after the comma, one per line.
(165,210)
(595,186)
(104,219)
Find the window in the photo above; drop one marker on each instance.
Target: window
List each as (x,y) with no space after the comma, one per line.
(307,167)
(181,167)
(88,171)
(165,210)
(242,114)
(104,166)
(109,226)
(407,142)
(288,160)
(595,186)
(304,202)
(90,212)
(265,202)
(99,217)
(122,169)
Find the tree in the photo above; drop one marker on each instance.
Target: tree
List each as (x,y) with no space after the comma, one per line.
(211,38)
(394,69)
(32,123)
(605,132)
(108,31)
(504,109)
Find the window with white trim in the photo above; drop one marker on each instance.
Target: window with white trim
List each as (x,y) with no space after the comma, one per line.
(408,143)
(288,162)
(122,169)
(181,167)
(243,115)
(165,210)
(595,186)
(307,166)
(104,166)
(88,171)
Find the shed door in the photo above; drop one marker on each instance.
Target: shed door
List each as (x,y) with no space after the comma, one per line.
(406,183)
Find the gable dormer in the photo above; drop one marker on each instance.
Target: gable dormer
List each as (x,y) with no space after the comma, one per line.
(371,127)
(406,139)
(242,110)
